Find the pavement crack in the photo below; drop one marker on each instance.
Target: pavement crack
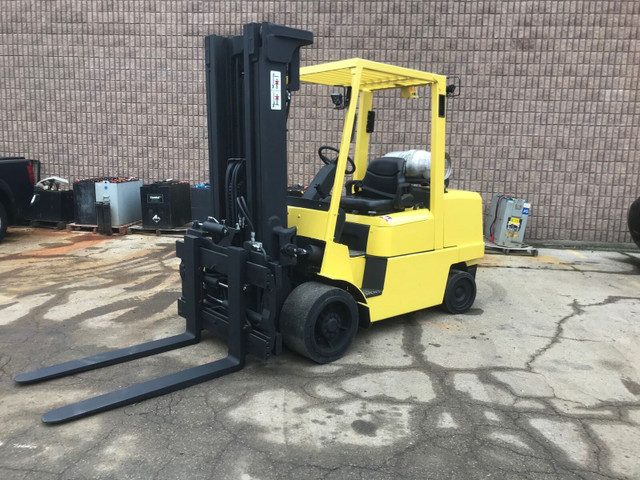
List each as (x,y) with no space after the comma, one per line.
(568,268)
(412,342)
(4,361)
(559,331)
(594,443)
(85,453)
(35,471)
(557,336)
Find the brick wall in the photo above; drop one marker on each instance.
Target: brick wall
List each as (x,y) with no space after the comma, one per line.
(549,107)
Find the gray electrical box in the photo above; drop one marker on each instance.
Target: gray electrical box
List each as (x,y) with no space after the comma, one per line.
(124,197)
(507,221)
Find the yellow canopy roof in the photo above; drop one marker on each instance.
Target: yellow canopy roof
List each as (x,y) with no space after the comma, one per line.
(375,76)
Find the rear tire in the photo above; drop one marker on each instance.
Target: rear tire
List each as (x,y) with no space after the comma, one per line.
(319,321)
(460,292)
(4,221)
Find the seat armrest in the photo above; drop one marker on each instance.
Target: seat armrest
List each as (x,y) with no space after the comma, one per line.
(403,198)
(353,187)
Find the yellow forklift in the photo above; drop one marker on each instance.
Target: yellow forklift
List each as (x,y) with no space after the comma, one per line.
(272,266)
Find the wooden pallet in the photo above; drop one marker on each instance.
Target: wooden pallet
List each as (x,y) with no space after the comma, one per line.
(116,230)
(159,231)
(57,225)
(75,227)
(490,247)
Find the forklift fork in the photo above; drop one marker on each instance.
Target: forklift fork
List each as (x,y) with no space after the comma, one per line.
(142,391)
(170,383)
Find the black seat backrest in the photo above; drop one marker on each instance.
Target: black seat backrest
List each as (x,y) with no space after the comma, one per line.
(321,185)
(383,177)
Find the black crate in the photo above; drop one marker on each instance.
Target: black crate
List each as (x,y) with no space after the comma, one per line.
(201,203)
(84,202)
(103,217)
(165,204)
(52,206)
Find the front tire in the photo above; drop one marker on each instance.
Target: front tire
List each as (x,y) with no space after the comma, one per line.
(319,321)
(460,292)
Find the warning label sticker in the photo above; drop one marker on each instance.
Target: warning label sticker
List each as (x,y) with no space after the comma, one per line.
(276,90)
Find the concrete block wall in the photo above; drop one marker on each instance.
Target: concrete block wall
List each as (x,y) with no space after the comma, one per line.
(549,106)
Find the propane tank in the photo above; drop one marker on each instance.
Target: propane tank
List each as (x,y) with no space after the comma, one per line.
(418,163)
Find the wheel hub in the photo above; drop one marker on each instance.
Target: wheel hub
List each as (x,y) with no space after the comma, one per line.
(330,325)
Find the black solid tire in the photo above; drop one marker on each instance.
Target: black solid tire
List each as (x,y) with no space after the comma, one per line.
(4,221)
(460,292)
(319,321)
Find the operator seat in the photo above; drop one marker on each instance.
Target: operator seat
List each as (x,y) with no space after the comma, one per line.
(383,189)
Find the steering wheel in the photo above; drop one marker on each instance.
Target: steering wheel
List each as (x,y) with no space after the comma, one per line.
(326,160)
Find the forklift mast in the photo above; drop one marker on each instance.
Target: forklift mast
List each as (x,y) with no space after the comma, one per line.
(250,79)
(237,265)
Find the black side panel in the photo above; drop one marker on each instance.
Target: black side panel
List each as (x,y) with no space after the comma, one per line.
(340,221)
(442,105)
(375,270)
(84,202)
(355,236)
(472,270)
(371,121)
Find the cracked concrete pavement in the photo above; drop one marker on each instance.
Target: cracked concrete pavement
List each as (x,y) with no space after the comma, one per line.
(540,380)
